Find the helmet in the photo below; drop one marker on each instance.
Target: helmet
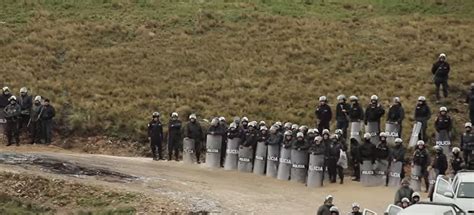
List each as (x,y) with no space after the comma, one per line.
(406,200)
(333,209)
(273,128)
(303,127)
(245,119)
(374,97)
(353,98)
(468,125)
(367,136)
(192,116)
(405,181)
(456,150)
(383,134)
(442,55)
(294,127)
(23,90)
(287,125)
(329,197)
(311,131)
(300,134)
(398,140)
(12,98)
(338,131)
(215,121)
(420,143)
(415,194)
(262,123)
(355,205)
(316,131)
(233,125)
(236,119)
(38,98)
(174,114)
(322,98)
(156,114)
(438,148)
(341,97)
(396,99)
(318,138)
(278,124)
(5,89)
(253,124)
(263,128)
(325,131)
(443,109)
(222,119)
(288,133)
(421,98)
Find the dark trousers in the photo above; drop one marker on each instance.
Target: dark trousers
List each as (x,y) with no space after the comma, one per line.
(444,85)
(323,125)
(12,131)
(343,125)
(173,147)
(424,174)
(198,148)
(356,170)
(47,130)
(24,119)
(422,135)
(156,148)
(35,132)
(332,169)
(223,151)
(471,115)
(340,173)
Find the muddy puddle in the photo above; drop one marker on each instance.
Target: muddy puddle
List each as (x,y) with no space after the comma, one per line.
(56,166)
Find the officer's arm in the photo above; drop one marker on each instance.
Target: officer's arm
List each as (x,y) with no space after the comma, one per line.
(434,68)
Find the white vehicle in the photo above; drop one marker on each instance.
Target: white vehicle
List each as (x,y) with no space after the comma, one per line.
(426,208)
(459,191)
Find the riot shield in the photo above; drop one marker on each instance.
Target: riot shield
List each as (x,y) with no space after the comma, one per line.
(416,178)
(380,170)
(367,174)
(356,127)
(273,153)
(315,171)
(393,130)
(299,165)
(245,163)
(442,139)
(260,159)
(415,134)
(213,151)
(394,177)
(232,154)
(373,129)
(189,156)
(284,166)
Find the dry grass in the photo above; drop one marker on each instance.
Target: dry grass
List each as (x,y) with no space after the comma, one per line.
(113,63)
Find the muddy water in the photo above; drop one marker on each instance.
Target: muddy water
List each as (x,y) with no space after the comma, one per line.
(201,189)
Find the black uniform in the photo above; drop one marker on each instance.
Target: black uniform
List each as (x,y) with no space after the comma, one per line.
(193,130)
(174,138)
(397,154)
(440,72)
(47,114)
(12,115)
(26,103)
(423,114)
(155,133)
(470,102)
(342,117)
(356,113)
(251,139)
(332,156)
(457,162)
(374,113)
(443,122)
(355,159)
(421,158)
(467,146)
(224,128)
(35,123)
(396,114)
(274,139)
(4,100)
(324,115)
(367,151)
(440,162)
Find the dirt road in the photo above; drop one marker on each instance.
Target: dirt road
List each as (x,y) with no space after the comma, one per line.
(201,189)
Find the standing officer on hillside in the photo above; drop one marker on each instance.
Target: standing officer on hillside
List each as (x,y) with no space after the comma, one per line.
(440,72)
(396,114)
(470,102)
(467,145)
(26,102)
(47,114)
(193,130)
(374,111)
(12,115)
(323,114)
(155,136)
(422,114)
(342,115)
(356,112)
(35,123)
(174,136)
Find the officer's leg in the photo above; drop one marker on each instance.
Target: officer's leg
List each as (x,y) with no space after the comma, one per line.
(16,132)
(153,148)
(160,150)
(170,149)
(48,131)
(176,149)
(437,85)
(8,132)
(344,129)
(341,174)
(223,150)
(445,88)
(43,131)
(197,149)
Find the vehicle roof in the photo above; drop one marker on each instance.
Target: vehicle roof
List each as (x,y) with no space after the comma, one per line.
(426,209)
(465,176)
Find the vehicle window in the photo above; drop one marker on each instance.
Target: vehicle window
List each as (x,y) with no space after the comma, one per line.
(455,184)
(443,186)
(466,190)
(448,213)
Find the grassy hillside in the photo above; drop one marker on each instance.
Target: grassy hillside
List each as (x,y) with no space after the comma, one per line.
(108,64)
